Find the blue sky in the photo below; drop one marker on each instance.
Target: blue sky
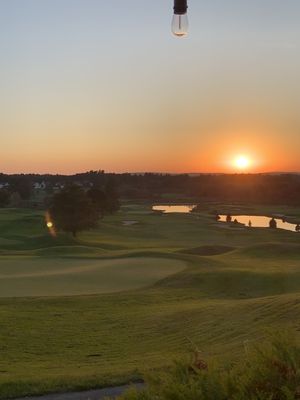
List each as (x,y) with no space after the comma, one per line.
(89,84)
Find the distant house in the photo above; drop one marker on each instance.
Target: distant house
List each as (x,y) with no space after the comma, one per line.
(39,185)
(86,184)
(4,185)
(58,186)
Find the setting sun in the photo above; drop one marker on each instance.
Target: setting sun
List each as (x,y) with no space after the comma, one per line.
(242,162)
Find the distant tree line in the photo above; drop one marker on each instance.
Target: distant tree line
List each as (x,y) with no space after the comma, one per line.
(250,188)
(15,191)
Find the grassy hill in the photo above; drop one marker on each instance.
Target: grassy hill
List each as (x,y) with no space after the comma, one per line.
(146,290)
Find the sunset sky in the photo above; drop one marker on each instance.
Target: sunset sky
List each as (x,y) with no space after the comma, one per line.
(94,84)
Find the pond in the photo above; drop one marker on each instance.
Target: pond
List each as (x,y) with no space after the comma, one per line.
(167,209)
(259,221)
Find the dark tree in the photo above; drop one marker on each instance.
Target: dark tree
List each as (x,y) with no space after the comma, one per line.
(23,186)
(99,199)
(73,211)
(273,223)
(4,198)
(49,189)
(228,218)
(15,199)
(112,197)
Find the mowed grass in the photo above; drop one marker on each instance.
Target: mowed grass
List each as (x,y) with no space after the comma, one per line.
(35,276)
(192,280)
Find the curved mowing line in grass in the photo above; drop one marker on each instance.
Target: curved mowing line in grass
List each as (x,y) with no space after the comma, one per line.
(31,277)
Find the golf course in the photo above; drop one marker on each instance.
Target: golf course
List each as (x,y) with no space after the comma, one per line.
(138,292)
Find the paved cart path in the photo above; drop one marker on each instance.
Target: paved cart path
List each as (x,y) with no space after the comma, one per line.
(87,395)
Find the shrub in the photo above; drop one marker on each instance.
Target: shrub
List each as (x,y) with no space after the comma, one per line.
(269,372)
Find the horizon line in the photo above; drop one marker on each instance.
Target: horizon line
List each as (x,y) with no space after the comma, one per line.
(152,172)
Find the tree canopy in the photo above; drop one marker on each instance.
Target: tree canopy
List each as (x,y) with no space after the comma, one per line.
(4,198)
(106,199)
(73,211)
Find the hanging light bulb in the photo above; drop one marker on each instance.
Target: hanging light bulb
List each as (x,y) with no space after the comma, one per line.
(180,23)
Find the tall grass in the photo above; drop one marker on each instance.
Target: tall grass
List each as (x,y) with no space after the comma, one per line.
(270,371)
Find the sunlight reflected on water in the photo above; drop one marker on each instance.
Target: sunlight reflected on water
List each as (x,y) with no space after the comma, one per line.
(184,209)
(259,221)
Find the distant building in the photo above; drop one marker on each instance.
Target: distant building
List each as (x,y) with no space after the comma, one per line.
(58,186)
(4,185)
(39,185)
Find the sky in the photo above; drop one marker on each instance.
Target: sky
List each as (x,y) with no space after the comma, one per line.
(94,84)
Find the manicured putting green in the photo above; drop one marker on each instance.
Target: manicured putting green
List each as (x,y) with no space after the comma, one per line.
(33,276)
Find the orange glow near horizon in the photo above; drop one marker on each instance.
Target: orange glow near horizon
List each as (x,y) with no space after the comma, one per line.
(258,149)
(214,151)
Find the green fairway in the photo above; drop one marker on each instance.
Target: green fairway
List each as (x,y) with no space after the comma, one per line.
(144,292)
(31,276)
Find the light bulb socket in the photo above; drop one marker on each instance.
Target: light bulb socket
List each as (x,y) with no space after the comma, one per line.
(180,7)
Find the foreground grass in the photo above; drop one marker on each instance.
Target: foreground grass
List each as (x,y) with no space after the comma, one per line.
(268,372)
(237,282)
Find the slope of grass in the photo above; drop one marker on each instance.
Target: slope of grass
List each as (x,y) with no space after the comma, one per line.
(219,301)
(35,276)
